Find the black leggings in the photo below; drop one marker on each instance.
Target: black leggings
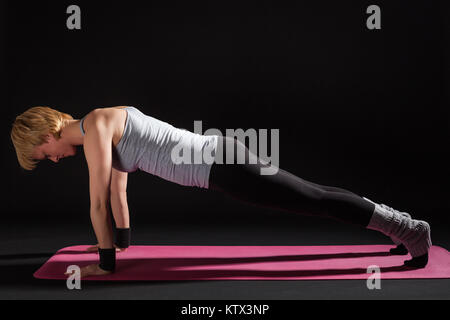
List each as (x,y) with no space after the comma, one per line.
(284,190)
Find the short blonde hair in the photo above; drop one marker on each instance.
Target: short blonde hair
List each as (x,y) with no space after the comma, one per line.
(29,130)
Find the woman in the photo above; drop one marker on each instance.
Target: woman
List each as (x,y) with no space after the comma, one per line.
(119,140)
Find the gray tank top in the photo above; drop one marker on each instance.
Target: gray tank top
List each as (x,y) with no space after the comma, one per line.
(149,144)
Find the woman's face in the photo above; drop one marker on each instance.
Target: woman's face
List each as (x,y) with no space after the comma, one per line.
(54,149)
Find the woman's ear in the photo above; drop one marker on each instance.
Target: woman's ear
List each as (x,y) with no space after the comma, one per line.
(48,137)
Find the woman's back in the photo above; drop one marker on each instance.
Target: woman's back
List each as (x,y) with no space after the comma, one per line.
(149,144)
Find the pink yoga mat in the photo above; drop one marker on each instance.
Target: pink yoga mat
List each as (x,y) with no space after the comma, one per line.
(249,263)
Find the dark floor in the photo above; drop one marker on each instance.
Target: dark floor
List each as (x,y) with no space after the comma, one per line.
(28,247)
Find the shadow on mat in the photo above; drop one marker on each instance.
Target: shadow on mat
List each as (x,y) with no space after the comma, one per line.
(172,268)
(302,257)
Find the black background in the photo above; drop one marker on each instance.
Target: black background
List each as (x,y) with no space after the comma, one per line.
(366,110)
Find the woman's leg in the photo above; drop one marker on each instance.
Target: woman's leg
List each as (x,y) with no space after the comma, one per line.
(329,188)
(288,192)
(285,191)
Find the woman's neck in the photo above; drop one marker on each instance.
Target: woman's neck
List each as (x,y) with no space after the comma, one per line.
(72,133)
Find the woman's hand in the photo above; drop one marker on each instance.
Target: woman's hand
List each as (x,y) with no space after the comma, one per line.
(95,249)
(91,270)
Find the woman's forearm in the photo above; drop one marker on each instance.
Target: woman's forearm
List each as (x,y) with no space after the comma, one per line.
(101,222)
(119,207)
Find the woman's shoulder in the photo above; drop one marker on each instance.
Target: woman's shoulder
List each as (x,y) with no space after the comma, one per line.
(106,115)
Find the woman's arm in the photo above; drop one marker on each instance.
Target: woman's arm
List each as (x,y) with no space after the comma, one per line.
(119,204)
(98,152)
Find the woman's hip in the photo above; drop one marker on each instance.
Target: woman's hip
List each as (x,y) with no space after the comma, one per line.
(236,167)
